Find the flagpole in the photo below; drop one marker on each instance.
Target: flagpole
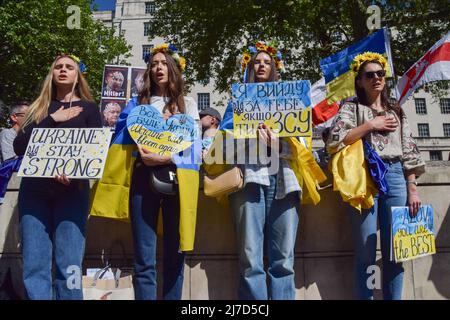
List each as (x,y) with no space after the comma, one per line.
(387,35)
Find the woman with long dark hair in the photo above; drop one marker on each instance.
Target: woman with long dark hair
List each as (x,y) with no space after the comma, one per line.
(383,125)
(53,213)
(163,88)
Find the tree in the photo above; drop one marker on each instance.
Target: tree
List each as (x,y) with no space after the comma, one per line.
(34,32)
(212,33)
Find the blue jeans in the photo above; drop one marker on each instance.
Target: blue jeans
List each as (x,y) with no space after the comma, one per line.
(257,213)
(52,222)
(145,207)
(364,227)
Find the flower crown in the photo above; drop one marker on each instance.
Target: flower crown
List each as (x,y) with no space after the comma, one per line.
(269,47)
(367,56)
(81,64)
(170,49)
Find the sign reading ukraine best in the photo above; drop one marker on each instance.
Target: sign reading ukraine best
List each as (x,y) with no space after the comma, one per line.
(73,152)
(165,137)
(284,107)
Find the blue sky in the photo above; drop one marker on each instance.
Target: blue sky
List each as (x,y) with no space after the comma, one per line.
(105,4)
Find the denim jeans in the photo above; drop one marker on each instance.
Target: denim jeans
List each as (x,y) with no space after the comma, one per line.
(364,227)
(145,206)
(52,222)
(260,220)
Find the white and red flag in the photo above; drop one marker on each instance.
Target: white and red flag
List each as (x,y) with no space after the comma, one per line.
(433,66)
(322,112)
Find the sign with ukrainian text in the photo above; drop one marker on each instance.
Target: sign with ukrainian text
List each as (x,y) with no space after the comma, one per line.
(74,152)
(285,108)
(412,237)
(164,136)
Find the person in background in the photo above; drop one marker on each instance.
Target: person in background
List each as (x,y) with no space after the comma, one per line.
(7,136)
(210,119)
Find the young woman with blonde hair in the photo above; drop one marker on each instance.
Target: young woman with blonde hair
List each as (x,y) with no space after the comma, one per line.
(53,212)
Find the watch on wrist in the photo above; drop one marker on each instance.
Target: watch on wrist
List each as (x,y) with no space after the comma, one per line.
(413,182)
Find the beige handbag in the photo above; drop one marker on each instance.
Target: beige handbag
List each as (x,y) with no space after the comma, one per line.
(223,184)
(118,288)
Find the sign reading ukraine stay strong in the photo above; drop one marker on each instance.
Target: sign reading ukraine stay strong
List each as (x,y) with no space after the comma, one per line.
(284,107)
(73,152)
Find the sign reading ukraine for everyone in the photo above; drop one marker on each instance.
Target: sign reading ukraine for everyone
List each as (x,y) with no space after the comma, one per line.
(165,137)
(339,78)
(285,107)
(412,237)
(73,152)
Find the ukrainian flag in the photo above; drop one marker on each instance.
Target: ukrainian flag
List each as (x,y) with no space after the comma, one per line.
(339,78)
(111,194)
(306,169)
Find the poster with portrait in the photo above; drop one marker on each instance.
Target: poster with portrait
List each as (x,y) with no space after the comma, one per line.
(137,81)
(111,109)
(115,82)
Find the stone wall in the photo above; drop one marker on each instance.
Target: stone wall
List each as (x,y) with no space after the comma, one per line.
(323,255)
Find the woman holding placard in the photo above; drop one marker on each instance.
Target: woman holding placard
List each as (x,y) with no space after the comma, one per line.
(266,210)
(387,142)
(162,89)
(53,213)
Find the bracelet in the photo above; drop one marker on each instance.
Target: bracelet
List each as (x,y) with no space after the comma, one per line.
(413,182)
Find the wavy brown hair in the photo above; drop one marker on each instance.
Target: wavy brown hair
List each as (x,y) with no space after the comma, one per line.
(250,78)
(385,101)
(174,90)
(39,108)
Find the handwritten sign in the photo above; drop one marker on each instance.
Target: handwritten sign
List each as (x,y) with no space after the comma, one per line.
(74,152)
(149,129)
(282,106)
(412,237)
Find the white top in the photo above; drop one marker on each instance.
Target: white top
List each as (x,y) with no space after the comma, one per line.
(191,106)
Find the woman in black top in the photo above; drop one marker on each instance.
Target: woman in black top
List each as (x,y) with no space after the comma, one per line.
(53,213)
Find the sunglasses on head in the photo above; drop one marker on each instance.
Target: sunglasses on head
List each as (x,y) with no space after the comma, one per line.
(371,74)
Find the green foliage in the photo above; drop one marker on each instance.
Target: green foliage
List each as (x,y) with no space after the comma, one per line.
(34,32)
(212,32)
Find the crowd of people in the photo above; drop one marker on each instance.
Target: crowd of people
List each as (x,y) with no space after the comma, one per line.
(265,210)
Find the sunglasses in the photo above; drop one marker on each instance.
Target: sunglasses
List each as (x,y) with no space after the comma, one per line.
(371,74)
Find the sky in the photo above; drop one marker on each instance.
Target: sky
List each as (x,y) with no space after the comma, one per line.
(105,4)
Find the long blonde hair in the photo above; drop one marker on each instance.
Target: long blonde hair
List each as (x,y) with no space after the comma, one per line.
(39,108)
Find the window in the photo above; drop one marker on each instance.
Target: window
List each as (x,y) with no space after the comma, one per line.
(421,107)
(203,100)
(146,28)
(146,49)
(446,129)
(424,129)
(436,155)
(150,7)
(445,105)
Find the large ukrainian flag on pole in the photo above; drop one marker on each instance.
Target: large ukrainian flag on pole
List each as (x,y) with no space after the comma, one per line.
(339,78)
(111,194)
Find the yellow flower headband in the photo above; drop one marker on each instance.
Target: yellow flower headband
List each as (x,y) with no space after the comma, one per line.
(270,48)
(367,56)
(170,49)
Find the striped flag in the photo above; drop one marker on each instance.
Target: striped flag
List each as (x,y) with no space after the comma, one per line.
(322,112)
(433,66)
(339,77)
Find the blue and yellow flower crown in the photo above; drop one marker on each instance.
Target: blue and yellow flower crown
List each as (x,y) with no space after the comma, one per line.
(269,47)
(81,64)
(358,61)
(170,49)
